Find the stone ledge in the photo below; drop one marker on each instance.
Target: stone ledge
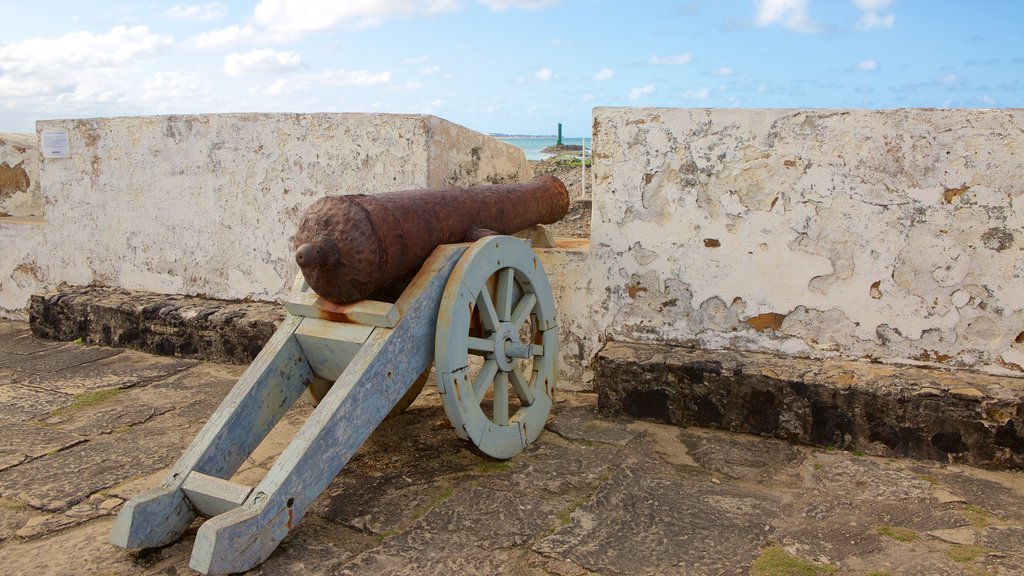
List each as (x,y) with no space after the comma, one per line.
(884,410)
(170,325)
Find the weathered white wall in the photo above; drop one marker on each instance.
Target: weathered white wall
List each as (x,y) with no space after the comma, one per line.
(19,275)
(883,234)
(19,176)
(207,204)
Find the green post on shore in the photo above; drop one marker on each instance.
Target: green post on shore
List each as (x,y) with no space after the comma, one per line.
(559,133)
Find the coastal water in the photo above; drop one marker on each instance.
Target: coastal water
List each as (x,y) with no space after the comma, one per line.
(532,145)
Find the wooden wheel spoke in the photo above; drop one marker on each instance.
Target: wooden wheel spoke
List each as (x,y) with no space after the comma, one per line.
(523,308)
(488,315)
(521,386)
(484,379)
(480,346)
(501,399)
(506,287)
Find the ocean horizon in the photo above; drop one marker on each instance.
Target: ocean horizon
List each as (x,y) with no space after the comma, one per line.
(532,145)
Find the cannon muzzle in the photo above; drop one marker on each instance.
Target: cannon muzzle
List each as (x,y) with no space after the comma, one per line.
(352,246)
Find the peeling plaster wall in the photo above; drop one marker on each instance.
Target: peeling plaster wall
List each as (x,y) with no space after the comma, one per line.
(568,269)
(19,176)
(19,274)
(207,204)
(884,234)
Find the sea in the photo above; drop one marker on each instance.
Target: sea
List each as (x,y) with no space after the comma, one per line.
(532,145)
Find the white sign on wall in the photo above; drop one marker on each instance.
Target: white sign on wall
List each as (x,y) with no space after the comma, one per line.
(54,143)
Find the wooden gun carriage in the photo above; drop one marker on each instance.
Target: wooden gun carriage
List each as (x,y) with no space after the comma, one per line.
(482,312)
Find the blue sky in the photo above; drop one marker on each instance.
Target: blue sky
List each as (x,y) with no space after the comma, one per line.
(512,66)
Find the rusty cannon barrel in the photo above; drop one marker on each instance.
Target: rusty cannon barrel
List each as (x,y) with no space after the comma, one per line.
(352,246)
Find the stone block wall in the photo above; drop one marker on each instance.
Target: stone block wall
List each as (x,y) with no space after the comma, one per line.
(890,234)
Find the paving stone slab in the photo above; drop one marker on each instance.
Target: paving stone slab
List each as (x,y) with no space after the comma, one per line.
(439,554)
(92,423)
(96,506)
(582,423)
(551,468)
(56,482)
(20,442)
(740,456)
(66,356)
(909,559)
(13,515)
(981,489)
(380,504)
(19,340)
(866,479)
(637,523)
(23,403)
(1006,539)
(120,369)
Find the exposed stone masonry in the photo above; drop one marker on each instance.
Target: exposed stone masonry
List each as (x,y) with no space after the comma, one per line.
(169,325)
(884,410)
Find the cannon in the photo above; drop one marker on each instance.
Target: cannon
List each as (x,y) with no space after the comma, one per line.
(478,306)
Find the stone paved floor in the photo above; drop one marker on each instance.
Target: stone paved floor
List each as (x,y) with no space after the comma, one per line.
(83,428)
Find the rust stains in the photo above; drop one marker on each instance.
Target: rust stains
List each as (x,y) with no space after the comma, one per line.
(766,321)
(13,179)
(634,290)
(933,356)
(875,290)
(711,243)
(953,193)
(789,163)
(349,247)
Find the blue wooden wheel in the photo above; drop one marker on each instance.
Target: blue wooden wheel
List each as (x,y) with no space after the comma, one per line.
(496,346)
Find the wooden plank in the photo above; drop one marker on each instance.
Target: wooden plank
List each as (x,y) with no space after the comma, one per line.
(330,346)
(367,312)
(386,366)
(211,496)
(266,390)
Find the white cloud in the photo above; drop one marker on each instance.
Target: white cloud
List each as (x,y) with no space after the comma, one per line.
(77,62)
(871,20)
(791,14)
(588,98)
(430,70)
(684,58)
(172,87)
(292,18)
(604,74)
(723,71)
(197,13)
(866,66)
(435,7)
(950,80)
(544,74)
(224,36)
(698,94)
(336,78)
(871,16)
(637,93)
(296,17)
(864,5)
(500,5)
(261,61)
